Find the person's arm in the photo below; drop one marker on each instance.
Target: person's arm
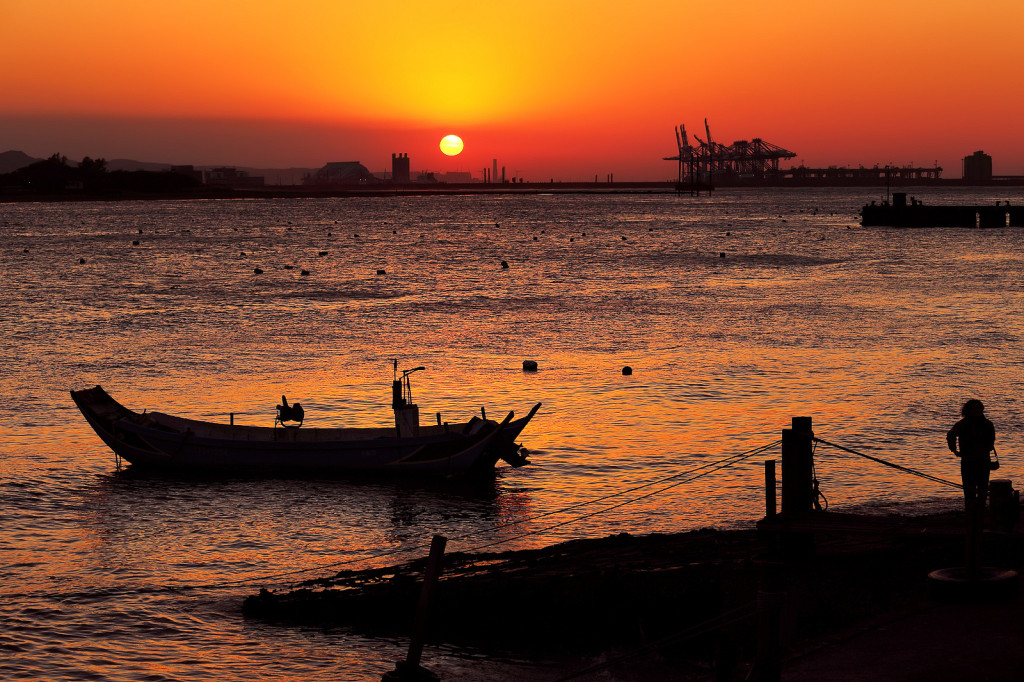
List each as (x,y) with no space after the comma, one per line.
(951,438)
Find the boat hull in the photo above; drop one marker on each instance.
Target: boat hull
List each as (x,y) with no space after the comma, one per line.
(158,441)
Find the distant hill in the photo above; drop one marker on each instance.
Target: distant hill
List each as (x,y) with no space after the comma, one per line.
(12,161)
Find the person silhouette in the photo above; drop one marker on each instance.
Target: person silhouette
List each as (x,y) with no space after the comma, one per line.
(976,437)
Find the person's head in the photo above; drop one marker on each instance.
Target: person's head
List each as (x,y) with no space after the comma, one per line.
(972,408)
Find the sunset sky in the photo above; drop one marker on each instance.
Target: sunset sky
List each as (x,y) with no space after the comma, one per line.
(561,89)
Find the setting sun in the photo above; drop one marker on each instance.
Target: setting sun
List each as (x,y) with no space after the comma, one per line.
(451,145)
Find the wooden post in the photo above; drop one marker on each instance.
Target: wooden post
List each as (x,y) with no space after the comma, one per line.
(769,488)
(430,576)
(797,479)
(409,669)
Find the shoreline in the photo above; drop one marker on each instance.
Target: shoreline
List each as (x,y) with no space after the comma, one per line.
(214,192)
(623,591)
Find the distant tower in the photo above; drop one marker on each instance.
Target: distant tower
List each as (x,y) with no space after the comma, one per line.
(494,170)
(978,167)
(400,169)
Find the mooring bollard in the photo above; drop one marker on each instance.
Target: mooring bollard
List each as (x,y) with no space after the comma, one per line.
(797,462)
(409,669)
(769,488)
(1004,504)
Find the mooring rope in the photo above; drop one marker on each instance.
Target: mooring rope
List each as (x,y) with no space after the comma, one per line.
(710,466)
(706,468)
(721,464)
(898,467)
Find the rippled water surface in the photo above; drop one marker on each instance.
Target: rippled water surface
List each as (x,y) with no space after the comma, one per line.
(878,334)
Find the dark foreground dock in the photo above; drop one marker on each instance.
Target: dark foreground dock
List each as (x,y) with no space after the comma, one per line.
(853,587)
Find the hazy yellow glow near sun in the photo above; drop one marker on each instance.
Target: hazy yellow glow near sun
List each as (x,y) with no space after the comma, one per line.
(451,145)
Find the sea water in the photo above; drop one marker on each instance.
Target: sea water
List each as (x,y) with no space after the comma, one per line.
(735,312)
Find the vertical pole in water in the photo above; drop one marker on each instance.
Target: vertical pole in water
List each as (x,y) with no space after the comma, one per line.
(410,669)
(797,479)
(430,576)
(232,418)
(769,488)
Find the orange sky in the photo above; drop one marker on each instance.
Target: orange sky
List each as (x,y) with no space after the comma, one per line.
(561,88)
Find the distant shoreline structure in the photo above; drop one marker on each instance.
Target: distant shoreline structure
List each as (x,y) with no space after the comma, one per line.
(439,189)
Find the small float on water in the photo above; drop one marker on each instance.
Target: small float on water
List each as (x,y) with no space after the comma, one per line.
(154,440)
(916,214)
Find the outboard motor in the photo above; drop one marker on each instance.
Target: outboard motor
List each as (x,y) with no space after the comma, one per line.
(290,413)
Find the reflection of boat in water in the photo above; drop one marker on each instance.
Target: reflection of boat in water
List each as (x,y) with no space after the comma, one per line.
(916,214)
(160,441)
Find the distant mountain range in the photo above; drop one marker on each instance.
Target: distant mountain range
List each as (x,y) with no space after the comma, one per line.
(13,160)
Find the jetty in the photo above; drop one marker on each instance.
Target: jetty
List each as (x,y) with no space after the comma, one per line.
(784,600)
(899,213)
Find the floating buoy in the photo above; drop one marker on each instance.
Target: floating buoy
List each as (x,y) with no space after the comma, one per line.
(382,272)
(356,234)
(627,371)
(504,265)
(728,234)
(394,231)
(305,273)
(257,271)
(289,229)
(534,239)
(289,267)
(322,253)
(650,229)
(584,234)
(572,239)
(140,230)
(135,242)
(722,254)
(497,224)
(243,253)
(529,365)
(81,260)
(329,234)
(623,239)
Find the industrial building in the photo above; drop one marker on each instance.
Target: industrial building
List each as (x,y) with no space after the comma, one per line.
(232,177)
(978,167)
(400,174)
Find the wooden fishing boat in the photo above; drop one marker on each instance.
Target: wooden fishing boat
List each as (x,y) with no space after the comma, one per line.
(154,440)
